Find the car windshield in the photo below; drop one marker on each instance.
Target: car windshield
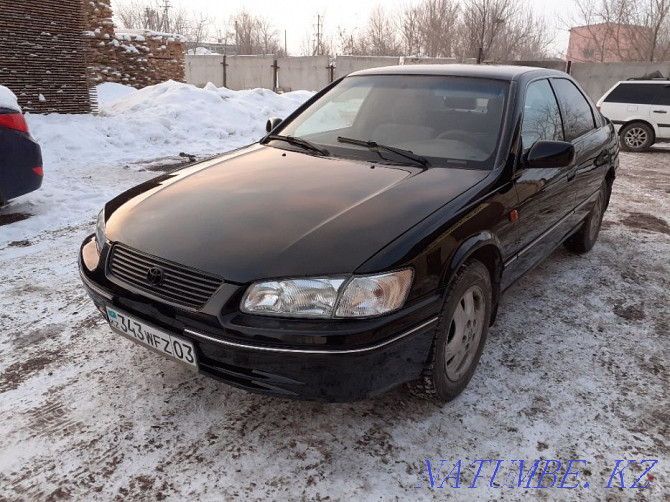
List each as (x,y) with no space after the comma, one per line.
(424,119)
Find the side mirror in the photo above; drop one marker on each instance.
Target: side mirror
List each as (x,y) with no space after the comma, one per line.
(544,154)
(272,123)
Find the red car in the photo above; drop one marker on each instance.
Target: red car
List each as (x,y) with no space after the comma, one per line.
(20,155)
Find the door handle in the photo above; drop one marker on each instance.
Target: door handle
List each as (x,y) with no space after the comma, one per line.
(602,159)
(660,111)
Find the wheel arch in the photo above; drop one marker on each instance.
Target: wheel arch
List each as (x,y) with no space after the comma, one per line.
(653,128)
(486,248)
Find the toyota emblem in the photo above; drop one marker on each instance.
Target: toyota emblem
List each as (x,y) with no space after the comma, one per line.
(155,276)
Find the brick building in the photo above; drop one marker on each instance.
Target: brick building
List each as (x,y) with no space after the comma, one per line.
(609,43)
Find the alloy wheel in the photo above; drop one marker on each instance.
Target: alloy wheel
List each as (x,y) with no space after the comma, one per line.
(636,137)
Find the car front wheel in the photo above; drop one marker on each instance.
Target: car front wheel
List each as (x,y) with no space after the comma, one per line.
(636,137)
(460,334)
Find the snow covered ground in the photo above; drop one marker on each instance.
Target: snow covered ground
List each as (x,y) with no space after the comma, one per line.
(576,366)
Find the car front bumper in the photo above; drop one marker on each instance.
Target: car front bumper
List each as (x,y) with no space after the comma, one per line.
(331,360)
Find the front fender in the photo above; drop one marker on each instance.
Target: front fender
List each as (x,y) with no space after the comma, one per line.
(485,247)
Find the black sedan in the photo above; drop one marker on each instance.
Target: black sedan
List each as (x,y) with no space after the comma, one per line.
(366,240)
(20,155)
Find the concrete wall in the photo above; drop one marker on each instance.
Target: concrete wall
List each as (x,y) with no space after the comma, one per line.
(249,72)
(348,64)
(416,60)
(203,69)
(311,73)
(597,78)
(304,73)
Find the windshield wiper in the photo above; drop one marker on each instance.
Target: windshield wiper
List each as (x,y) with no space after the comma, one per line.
(303,143)
(374,146)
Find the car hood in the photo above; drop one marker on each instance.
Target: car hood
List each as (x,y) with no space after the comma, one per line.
(262,212)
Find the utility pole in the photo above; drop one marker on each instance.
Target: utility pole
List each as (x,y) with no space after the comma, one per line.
(165,25)
(318,49)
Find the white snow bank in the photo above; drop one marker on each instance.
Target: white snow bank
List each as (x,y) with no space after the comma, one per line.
(85,155)
(110,91)
(202,51)
(8,99)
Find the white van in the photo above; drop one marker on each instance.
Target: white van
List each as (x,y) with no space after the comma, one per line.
(640,111)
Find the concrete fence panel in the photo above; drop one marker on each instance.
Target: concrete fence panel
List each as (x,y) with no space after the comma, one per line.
(597,78)
(417,60)
(250,72)
(203,69)
(348,64)
(310,73)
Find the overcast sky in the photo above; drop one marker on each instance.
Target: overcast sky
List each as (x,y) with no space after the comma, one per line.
(298,17)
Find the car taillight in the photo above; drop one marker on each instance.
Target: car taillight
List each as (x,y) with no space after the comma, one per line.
(14,121)
(38,171)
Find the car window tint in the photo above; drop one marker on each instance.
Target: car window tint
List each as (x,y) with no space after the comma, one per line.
(336,114)
(541,118)
(638,94)
(451,121)
(575,109)
(662,95)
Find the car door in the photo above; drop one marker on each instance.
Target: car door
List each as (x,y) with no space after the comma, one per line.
(660,110)
(590,136)
(546,198)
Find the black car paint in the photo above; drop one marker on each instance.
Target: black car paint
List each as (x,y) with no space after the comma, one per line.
(19,154)
(298,214)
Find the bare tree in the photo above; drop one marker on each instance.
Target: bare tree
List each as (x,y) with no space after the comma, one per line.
(439,23)
(254,34)
(380,37)
(503,29)
(410,31)
(156,16)
(152,15)
(625,30)
(199,30)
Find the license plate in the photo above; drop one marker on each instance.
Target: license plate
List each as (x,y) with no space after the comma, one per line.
(165,343)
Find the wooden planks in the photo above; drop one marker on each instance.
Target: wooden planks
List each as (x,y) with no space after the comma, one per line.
(43,56)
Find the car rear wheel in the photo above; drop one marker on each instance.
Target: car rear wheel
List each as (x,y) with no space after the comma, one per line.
(587,235)
(636,137)
(460,334)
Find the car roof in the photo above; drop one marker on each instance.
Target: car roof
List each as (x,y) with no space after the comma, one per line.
(500,72)
(650,81)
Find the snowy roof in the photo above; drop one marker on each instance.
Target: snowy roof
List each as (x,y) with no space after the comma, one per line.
(140,34)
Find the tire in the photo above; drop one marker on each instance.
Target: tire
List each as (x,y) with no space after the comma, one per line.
(461,330)
(586,237)
(636,137)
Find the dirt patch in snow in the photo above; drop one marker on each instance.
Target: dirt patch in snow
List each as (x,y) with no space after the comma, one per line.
(644,221)
(6,219)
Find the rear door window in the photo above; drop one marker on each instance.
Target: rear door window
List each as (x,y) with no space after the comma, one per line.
(637,94)
(662,96)
(575,109)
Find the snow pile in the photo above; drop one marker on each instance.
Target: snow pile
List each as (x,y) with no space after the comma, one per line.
(89,159)
(110,91)
(8,99)
(159,121)
(202,51)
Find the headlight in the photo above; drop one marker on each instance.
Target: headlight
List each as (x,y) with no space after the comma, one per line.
(294,297)
(375,295)
(100,231)
(364,296)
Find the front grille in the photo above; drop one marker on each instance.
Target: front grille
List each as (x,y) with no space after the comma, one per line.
(180,285)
